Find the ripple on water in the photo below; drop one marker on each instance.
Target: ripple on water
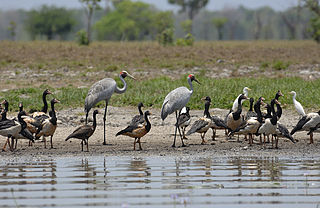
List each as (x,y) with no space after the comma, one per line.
(158,182)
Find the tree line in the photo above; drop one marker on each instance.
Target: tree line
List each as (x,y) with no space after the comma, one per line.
(125,20)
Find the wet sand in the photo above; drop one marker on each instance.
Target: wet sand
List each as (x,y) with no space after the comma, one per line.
(159,140)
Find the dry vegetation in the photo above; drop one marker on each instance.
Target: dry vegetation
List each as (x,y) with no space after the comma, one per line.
(70,69)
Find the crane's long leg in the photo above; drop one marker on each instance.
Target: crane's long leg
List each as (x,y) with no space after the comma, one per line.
(87,112)
(104,124)
(175,132)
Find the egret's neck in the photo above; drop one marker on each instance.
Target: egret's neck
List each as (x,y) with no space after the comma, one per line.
(190,83)
(294,96)
(124,88)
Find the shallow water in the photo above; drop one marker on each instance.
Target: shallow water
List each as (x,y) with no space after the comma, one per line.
(160,182)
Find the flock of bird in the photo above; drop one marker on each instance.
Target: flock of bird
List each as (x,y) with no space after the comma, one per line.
(39,124)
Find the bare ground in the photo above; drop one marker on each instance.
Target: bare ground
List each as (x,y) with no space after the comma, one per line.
(159,140)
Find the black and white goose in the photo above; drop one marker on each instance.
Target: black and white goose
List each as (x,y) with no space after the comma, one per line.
(308,122)
(234,119)
(183,121)
(204,123)
(252,124)
(49,125)
(269,126)
(11,128)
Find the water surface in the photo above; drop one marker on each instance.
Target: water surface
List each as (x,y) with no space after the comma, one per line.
(160,182)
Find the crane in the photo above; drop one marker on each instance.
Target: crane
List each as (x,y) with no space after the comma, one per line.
(103,90)
(175,101)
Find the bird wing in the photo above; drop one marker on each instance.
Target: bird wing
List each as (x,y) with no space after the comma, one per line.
(136,120)
(175,100)
(101,90)
(197,125)
(7,124)
(300,124)
(299,108)
(182,119)
(218,122)
(283,131)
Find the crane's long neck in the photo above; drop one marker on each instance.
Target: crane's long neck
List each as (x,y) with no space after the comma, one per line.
(190,83)
(148,126)
(124,88)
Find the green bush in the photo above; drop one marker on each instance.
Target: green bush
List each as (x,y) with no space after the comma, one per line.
(280,65)
(166,37)
(82,37)
(188,40)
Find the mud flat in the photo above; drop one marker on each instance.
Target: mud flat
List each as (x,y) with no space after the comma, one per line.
(159,140)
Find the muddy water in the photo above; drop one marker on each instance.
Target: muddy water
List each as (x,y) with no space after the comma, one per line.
(160,182)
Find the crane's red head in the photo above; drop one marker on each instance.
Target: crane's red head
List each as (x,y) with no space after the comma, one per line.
(193,78)
(124,74)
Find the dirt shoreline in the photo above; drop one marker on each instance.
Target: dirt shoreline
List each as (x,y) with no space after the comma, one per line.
(159,140)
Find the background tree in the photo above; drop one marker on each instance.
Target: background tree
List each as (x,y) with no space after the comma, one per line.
(89,7)
(219,24)
(132,21)
(49,21)
(12,29)
(191,7)
(314,5)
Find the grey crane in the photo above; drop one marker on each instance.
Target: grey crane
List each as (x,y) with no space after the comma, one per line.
(103,90)
(175,101)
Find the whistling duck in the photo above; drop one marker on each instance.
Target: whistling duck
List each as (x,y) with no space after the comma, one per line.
(85,131)
(49,125)
(137,132)
(204,123)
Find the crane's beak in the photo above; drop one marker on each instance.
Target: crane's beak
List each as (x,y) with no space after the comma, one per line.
(197,81)
(248,88)
(132,77)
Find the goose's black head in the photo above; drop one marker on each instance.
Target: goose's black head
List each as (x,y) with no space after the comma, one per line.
(208,99)
(140,105)
(47,92)
(147,113)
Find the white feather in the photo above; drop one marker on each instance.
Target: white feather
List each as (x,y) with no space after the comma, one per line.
(297,104)
(235,103)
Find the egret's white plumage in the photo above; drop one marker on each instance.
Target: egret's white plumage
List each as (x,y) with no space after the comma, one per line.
(176,100)
(297,104)
(235,103)
(103,90)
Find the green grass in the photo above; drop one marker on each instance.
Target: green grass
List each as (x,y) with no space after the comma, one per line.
(152,92)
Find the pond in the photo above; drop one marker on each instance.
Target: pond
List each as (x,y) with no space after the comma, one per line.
(160,182)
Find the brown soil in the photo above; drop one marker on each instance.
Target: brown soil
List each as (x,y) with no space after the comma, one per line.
(159,140)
